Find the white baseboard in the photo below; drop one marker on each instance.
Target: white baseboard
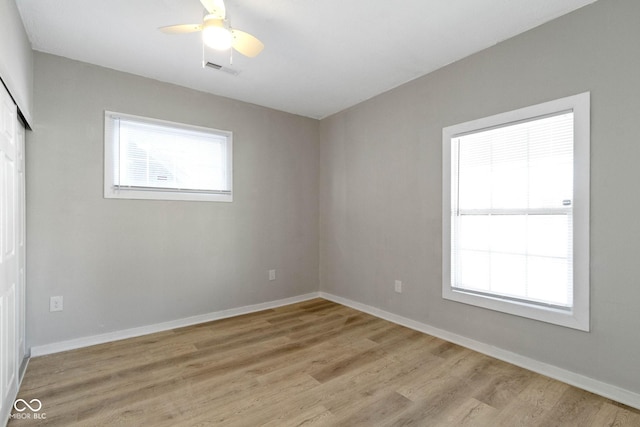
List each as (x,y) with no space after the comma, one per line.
(589,384)
(73,344)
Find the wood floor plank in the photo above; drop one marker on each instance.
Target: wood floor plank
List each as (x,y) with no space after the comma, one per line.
(521,414)
(316,416)
(378,412)
(543,391)
(575,408)
(471,413)
(442,396)
(504,387)
(615,416)
(315,363)
(343,367)
(370,383)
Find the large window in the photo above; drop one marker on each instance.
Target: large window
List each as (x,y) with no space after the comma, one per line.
(516,212)
(154,159)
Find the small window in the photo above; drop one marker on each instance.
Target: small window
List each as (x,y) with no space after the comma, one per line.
(516,212)
(154,159)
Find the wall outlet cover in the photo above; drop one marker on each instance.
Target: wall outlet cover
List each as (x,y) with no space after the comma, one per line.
(56,304)
(398,286)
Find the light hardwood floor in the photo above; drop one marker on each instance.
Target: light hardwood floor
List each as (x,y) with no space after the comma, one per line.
(312,363)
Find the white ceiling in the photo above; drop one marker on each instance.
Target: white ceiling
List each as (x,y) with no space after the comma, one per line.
(320,56)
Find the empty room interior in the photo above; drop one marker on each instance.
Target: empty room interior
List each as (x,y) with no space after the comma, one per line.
(289,213)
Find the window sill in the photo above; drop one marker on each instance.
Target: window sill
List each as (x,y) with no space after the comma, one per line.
(112,193)
(571,318)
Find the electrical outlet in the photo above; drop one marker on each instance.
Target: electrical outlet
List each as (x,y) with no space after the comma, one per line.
(56,304)
(272,275)
(398,286)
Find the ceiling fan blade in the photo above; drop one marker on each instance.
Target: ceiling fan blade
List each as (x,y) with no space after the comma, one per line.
(180,29)
(246,44)
(215,7)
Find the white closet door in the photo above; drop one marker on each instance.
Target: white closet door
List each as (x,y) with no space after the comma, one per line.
(21,222)
(9,276)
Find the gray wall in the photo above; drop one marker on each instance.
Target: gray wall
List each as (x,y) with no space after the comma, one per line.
(16,58)
(127,263)
(380,187)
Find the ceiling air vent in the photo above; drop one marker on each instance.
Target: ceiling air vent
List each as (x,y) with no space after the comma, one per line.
(222,68)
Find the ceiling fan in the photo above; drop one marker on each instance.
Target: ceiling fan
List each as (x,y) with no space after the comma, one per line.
(217,33)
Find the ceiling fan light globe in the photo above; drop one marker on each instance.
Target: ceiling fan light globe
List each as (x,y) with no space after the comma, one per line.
(216,35)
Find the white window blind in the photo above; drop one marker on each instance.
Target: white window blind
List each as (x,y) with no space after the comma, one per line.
(154,159)
(512,211)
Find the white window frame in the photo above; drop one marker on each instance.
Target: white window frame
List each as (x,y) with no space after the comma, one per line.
(113,190)
(577,317)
